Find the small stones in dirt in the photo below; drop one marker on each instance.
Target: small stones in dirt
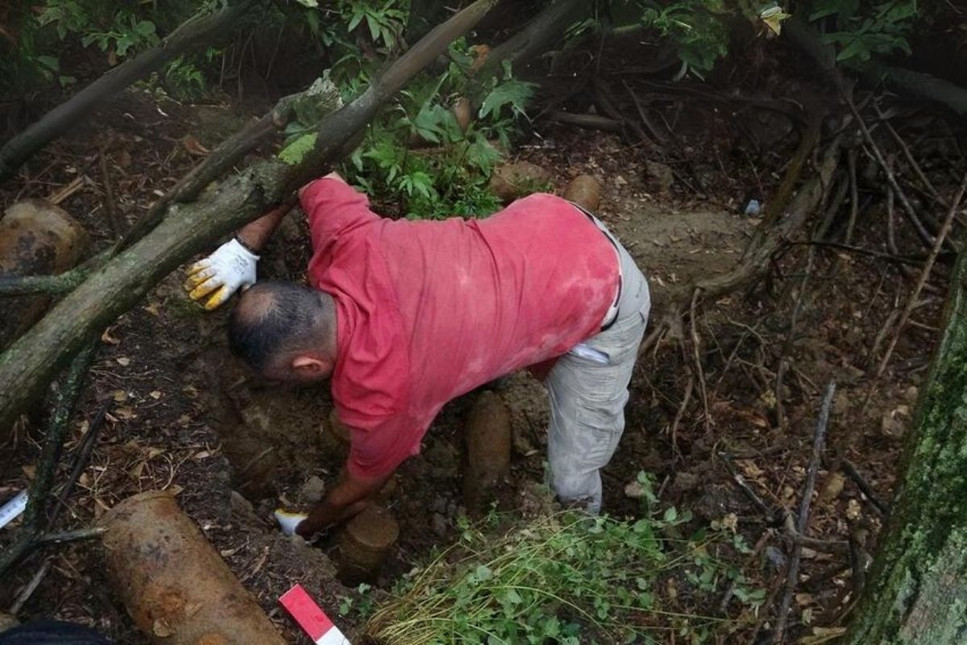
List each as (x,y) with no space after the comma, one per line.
(442,458)
(240,506)
(440,525)
(585,191)
(513,180)
(7,621)
(313,490)
(634,490)
(832,489)
(660,177)
(685,481)
(894,423)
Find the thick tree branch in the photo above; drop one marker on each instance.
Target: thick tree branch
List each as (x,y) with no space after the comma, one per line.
(35,519)
(30,363)
(198,31)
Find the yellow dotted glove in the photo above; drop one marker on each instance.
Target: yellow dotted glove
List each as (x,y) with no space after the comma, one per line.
(221,274)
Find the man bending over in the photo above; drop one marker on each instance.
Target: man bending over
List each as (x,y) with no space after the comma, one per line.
(403,316)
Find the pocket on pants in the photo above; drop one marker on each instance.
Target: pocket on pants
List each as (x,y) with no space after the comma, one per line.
(602,427)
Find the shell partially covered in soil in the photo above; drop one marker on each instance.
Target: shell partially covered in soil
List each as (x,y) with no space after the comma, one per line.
(488,440)
(513,180)
(585,191)
(174,585)
(36,238)
(364,544)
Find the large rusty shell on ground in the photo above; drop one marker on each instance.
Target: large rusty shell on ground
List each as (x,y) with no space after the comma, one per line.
(364,544)
(585,191)
(174,585)
(513,180)
(36,238)
(488,438)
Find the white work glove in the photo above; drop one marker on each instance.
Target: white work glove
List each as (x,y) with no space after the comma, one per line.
(230,267)
(288,521)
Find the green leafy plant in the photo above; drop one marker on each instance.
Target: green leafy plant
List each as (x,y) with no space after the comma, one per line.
(694,26)
(418,151)
(565,578)
(859,32)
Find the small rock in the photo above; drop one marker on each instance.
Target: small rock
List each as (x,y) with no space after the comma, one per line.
(585,191)
(7,621)
(684,481)
(440,525)
(894,423)
(832,489)
(660,177)
(241,507)
(313,490)
(513,180)
(634,490)
(462,113)
(776,557)
(911,394)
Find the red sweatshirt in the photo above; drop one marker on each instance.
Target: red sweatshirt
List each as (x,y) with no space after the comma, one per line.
(428,310)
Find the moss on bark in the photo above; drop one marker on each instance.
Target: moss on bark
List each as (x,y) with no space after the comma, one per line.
(917,591)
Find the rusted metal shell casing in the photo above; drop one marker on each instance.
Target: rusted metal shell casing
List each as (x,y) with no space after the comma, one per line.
(36,238)
(174,585)
(364,544)
(488,438)
(585,191)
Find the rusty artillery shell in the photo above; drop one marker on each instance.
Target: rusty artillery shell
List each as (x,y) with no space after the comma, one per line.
(36,238)
(174,585)
(488,440)
(462,112)
(364,544)
(584,190)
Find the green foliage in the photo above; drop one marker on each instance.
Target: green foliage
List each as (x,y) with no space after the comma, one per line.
(296,151)
(565,578)
(119,29)
(417,150)
(694,26)
(859,32)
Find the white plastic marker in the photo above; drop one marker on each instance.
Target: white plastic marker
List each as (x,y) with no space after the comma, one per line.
(13,508)
(311,618)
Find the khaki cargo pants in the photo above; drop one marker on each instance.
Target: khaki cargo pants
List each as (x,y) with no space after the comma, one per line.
(588,394)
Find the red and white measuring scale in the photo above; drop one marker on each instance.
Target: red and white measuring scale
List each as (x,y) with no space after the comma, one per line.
(311,617)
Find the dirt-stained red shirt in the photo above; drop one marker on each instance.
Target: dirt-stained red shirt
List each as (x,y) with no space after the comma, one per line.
(429,310)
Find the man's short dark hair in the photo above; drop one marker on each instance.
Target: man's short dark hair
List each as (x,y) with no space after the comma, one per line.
(274,317)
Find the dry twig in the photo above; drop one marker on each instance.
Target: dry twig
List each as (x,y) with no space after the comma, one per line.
(922,280)
(802,523)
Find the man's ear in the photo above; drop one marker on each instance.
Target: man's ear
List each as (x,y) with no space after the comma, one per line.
(309,365)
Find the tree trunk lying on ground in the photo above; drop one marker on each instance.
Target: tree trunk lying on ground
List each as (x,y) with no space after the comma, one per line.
(916,592)
(187,229)
(198,31)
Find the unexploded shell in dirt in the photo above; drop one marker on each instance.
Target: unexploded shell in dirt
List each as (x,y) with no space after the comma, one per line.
(364,544)
(462,113)
(513,180)
(585,191)
(36,238)
(174,585)
(488,438)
